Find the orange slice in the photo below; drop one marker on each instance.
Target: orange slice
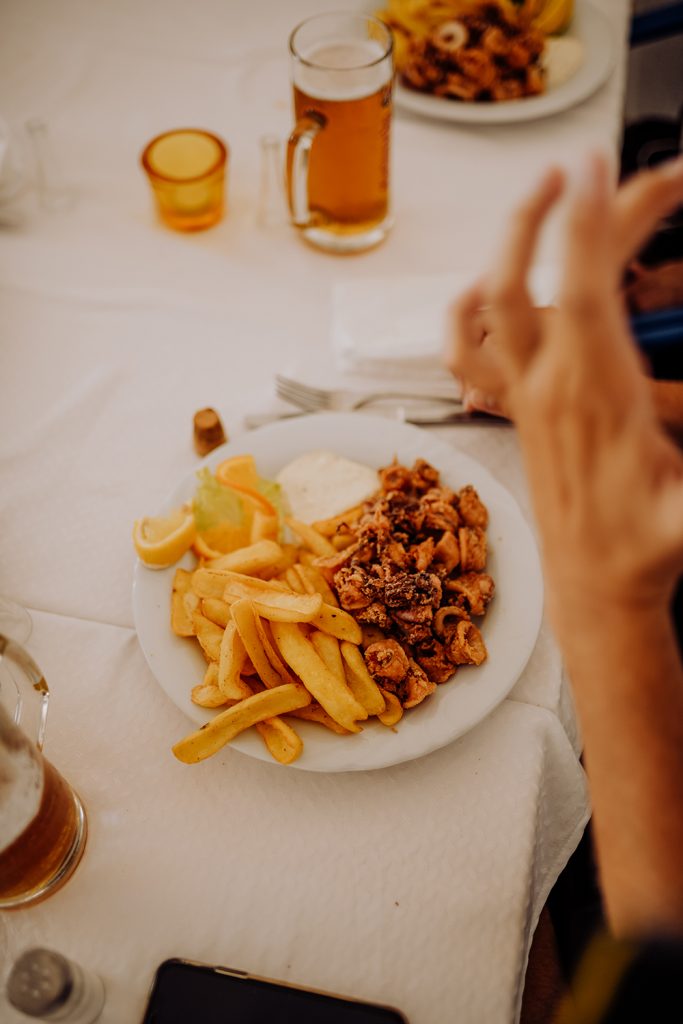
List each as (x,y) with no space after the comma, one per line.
(255,499)
(239,471)
(162,540)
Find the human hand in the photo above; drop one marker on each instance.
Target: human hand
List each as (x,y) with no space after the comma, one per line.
(606,482)
(653,194)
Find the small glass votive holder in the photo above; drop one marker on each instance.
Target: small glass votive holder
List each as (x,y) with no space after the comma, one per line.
(186,169)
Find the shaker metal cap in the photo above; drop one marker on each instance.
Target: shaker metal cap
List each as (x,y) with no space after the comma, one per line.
(40,982)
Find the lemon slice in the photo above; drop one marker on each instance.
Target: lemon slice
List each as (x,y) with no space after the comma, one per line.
(162,540)
(554,17)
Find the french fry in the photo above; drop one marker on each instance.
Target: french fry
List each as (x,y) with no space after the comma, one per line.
(294,581)
(241,583)
(181,616)
(361,683)
(342,540)
(207,696)
(282,741)
(209,582)
(314,713)
(209,635)
(211,674)
(319,583)
(334,695)
(263,630)
(394,711)
(230,723)
(283,608)
(289,556)
(253,558)
(338,623)
(191,602)
(313,540)
(216,610)
(272,600)
(231,663)
(328,527)
(328,648)
(245,621)
(303,582)
(264,526)
(307,557)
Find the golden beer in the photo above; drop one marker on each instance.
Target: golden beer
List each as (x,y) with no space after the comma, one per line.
(43,827)
(42,857)
(338,153)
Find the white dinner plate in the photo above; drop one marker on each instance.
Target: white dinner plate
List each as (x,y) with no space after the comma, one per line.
(590,28)
(509,628)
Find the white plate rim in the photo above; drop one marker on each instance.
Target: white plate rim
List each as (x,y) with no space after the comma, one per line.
(595,31)
(423,730)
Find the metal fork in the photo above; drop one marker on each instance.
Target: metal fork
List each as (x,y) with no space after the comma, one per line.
(339,400)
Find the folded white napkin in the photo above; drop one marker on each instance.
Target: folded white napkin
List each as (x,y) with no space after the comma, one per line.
(394,326)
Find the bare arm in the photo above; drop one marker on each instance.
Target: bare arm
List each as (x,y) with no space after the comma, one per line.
(607,487)
(628,685)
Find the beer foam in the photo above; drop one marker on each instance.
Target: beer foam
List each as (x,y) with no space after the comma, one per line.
(341,70)
(21,788)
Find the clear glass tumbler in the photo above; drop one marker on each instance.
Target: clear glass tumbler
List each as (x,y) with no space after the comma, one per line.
(43,826)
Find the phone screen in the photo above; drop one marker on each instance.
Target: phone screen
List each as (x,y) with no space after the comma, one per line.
(185,992)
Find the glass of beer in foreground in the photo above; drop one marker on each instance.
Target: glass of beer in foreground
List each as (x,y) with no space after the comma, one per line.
(338,153)
(43,826)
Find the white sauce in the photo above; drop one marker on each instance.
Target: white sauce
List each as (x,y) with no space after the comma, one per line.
(318,485)
(563,56)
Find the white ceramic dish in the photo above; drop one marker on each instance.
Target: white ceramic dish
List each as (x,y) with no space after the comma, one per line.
(590,28)
(510,627)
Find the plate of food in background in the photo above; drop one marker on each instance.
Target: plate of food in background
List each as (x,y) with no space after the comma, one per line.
(336,593)
(499,62)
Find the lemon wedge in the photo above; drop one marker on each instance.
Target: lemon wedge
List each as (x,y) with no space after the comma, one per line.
(554,17)
(162,540)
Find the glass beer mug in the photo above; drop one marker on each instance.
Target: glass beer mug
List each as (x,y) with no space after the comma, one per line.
(338,153)
(43,826)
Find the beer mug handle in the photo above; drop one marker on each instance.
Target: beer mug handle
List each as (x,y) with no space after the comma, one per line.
(298,156)
(24,694)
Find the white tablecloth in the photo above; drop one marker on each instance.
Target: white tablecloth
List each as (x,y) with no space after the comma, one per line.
(419,885)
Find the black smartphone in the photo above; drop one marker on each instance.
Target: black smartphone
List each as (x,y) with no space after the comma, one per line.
(185,992)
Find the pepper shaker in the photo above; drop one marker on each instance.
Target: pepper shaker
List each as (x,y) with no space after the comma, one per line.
(45,985)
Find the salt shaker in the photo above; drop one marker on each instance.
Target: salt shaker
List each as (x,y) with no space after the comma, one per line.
(45,985)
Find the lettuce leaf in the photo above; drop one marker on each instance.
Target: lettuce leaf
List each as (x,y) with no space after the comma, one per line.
(273,492)
(213,504)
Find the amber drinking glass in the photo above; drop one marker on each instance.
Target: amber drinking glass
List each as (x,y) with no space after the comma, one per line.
(186,169)
(338,153)
(43,826)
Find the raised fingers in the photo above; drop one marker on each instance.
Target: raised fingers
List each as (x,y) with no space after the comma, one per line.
(590,267)
(512,313)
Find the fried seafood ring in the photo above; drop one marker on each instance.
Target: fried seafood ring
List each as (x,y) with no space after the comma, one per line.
(450,37)
(466,645)
(495,41)
(447,612)
(478,66)
(507,89)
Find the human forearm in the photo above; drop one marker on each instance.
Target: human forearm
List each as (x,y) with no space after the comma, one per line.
(627,680)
